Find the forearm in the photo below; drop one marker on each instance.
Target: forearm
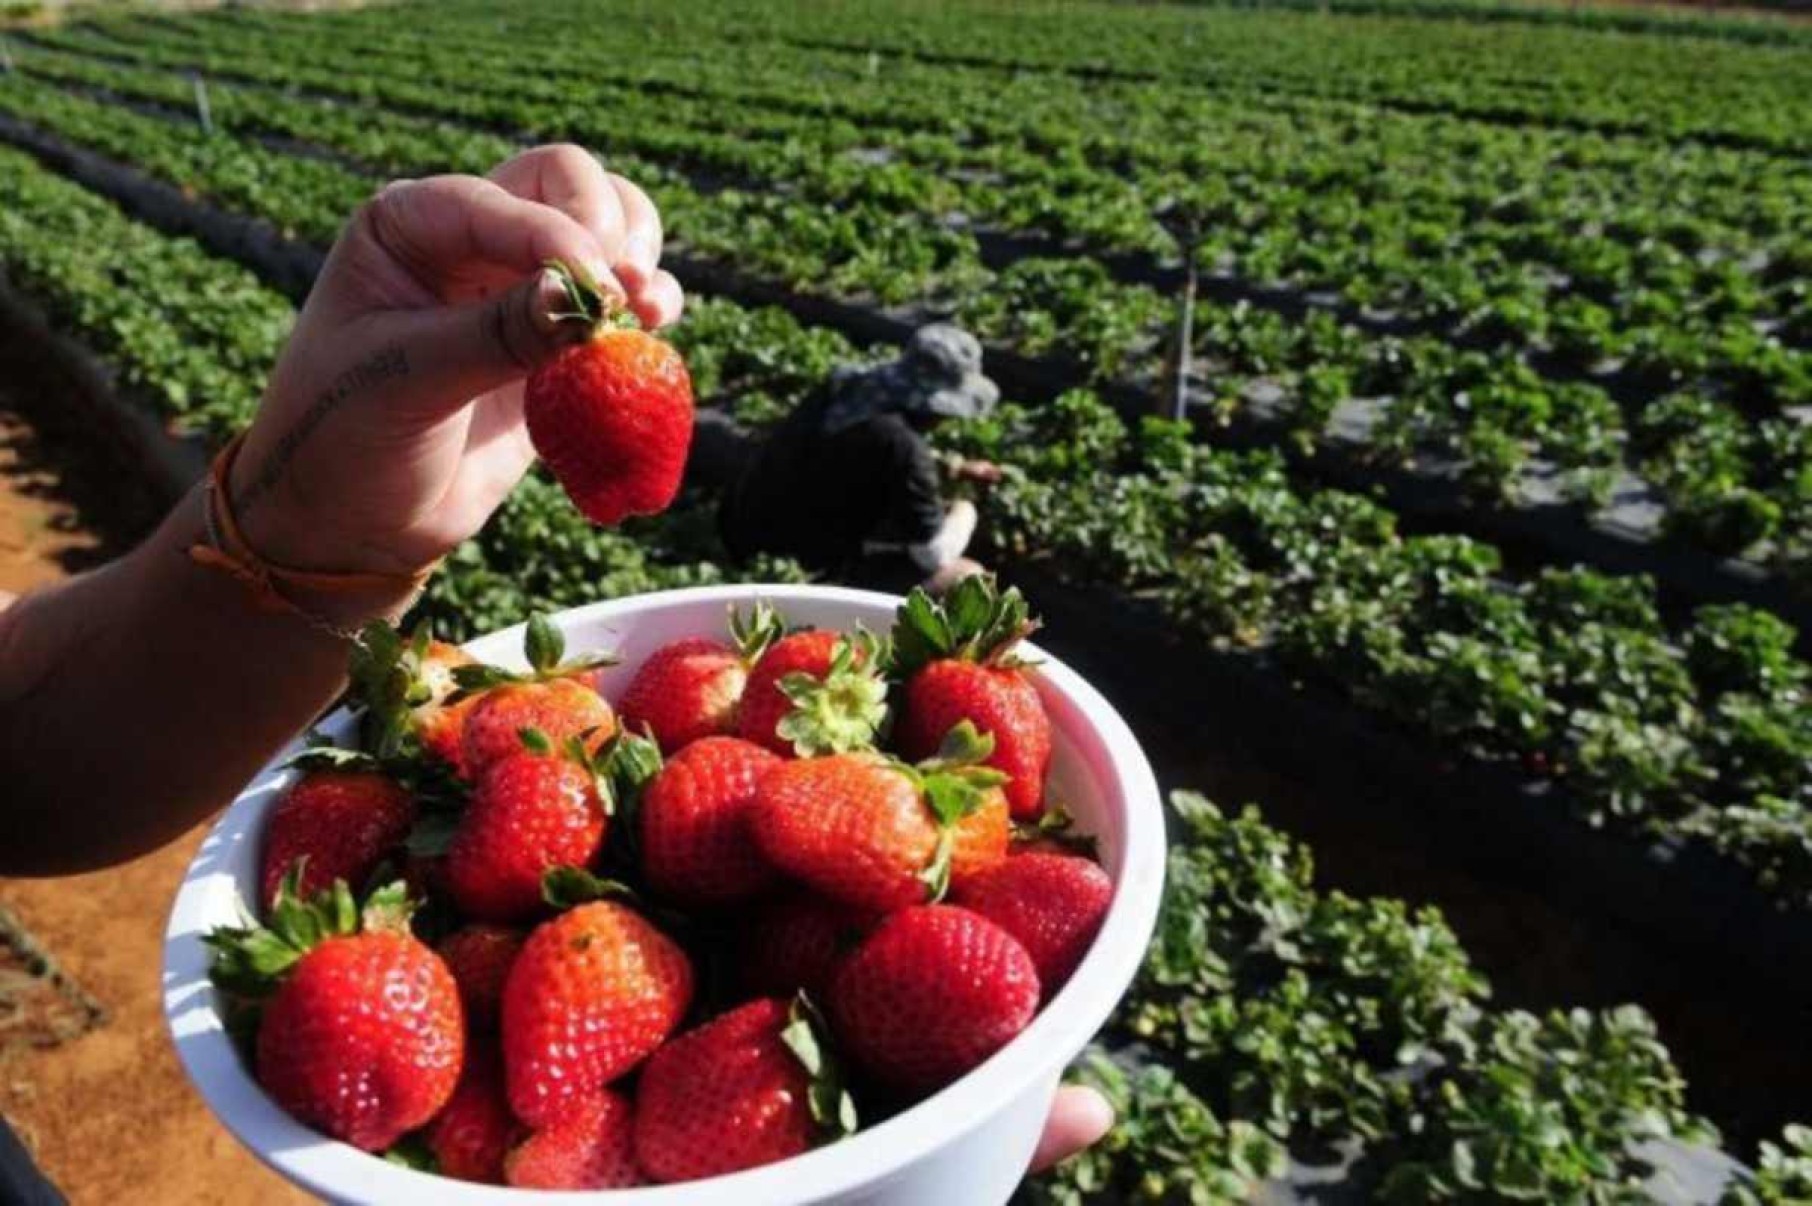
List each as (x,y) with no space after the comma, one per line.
(137,699)
(951,539)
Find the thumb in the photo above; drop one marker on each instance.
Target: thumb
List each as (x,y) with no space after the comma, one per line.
(457,352)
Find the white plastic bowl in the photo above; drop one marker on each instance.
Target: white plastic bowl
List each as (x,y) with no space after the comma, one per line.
(967,1144)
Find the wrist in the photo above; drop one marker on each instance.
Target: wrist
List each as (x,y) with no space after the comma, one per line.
(288,564)
(285,526)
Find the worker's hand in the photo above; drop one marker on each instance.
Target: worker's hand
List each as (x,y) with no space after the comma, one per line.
(392,426)
(985,473)
(1079,1118)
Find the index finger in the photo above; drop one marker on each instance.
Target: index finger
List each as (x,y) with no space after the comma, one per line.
(622,216)
(570,179)
(460,236)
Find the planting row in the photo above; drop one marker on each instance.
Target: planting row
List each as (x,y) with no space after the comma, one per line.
(1739,95)
(1365,1021)
(1751,24)
(1274,1018)
(1571,677)
(1329,197)
(1734,476)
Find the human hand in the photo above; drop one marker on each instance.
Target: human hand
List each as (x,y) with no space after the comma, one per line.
(392,426)
(985,473)
(1079,1118)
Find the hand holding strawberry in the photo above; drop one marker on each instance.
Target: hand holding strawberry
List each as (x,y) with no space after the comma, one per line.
(431,309)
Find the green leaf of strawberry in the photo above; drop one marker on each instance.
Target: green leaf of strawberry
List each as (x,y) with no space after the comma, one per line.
(975,622)
(833,1109)
(411,1151)
(568,887)
(545,647)
(1055,825)
(754,632)
(472,679)
(627,764)
(954,784)
(387,910)
(544,643)
(585,299)
(843,711)
(250,961)
(329,757)
(432,834)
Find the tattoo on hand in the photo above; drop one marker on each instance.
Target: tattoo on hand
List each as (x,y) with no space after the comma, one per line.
(384,365)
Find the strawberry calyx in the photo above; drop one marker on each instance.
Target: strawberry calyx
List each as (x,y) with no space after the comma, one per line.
(566,887)
(545,646)
(412,1151)
(334,758)
(954,783)
(625,766)
(251,961)
(806,1036)
(587,301)
(386,680)
(1057,827)
(843,711)
(751,634)
(975,622)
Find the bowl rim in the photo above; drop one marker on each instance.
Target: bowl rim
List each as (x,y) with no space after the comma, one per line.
(1064,1024)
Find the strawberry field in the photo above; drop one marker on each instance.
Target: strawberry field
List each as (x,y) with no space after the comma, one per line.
(1492,482)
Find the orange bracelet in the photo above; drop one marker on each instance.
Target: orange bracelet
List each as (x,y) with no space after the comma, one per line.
(226,550)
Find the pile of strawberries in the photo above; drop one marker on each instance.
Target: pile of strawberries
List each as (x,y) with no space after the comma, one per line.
(671,938)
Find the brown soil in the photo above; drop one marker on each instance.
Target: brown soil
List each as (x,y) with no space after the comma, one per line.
(109,1114)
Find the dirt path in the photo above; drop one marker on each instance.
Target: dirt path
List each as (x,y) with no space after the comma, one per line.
(109,1114)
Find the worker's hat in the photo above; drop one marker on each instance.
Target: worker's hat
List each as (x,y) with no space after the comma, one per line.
(939,373)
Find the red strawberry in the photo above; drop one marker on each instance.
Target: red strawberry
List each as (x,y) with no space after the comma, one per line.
(589,1147)
(561,708)
(931,994)
(470,1137)
(878,834)
(612,416)
(697,846)
(530,812)
(795,944)
(406,689)
(747,1089)
(1052,903)
(814,692)
(684,691)
(363,1036)
(554,696)
(691,688)
(957,660)
(480,957)
(440,722)
(593,993)
(339,823)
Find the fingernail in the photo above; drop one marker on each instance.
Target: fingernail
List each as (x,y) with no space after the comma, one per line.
(607,280)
